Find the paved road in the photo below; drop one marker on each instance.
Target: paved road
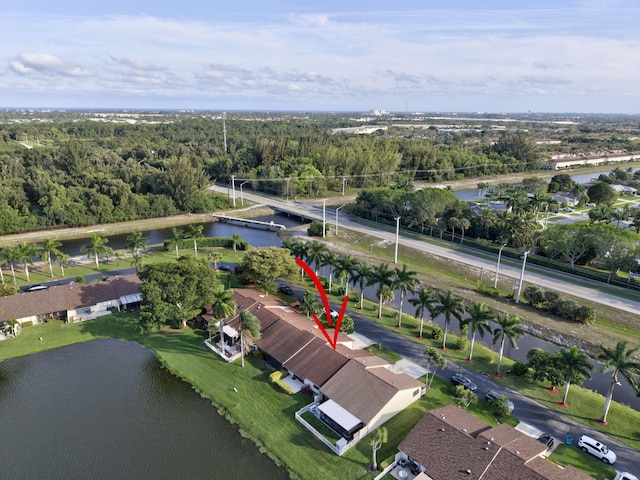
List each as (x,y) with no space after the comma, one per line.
(526,409)
(533,275)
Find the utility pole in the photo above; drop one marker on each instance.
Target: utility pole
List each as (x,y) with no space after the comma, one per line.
(395,257)
(324,216)
(241,196)
(495,283)
(337,210)
(524,264)
(224,131)
(233,189)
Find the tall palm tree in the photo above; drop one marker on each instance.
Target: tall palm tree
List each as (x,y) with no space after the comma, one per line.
(49,247)
(249,331)
(300,250)
(176,236)
(25,252)
(361,274)
(97,246)
(405,281)
(382,276)
(464,224)
(222,306)
(62,259)
(575,367)
(310,304)
(619,361)
(450,306)
(195,233)
(136,242)
(12,256)
(344,265)
(236,240)
(478,320)
(424,302)
(215,257)
(436,359)
(329,259)
(316,254)
(508,328)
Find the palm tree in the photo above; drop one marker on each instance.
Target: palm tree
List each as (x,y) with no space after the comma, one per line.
(361,274)
(433,357)
(316,254)
(344,265)
(619,361)
(215,257)
(405,281)
(300,250)
(575,367)
(12,256)
(49,247)
(383,277)
(195,232)
(464,224)
(424,302)
(310,304)
(176,237)
(136,242)
(329,259)
(236,240)
(249,331)
(222,306)
(379,437)
(508,328)
(478,320)
(96,247)
(25,252)
(450,306)
(62,258)
(3,260)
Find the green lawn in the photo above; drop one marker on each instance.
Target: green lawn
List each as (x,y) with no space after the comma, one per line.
(566,455)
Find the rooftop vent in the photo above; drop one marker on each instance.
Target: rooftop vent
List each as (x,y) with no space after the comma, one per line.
(468,472)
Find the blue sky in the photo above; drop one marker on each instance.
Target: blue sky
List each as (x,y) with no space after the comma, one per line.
(409,55)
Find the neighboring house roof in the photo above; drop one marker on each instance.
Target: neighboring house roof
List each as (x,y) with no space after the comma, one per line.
(61,298)
(282,341)
(317,362)
(452,444)
(365,391)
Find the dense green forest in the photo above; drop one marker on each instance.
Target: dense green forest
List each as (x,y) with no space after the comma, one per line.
(69,170)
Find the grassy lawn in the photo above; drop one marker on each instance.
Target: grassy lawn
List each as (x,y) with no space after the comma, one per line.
(566,455)
(382,351)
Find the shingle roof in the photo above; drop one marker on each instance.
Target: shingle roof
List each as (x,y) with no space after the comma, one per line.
(67,297)
(448,452)
(281,340)
(364,392)
(317,362)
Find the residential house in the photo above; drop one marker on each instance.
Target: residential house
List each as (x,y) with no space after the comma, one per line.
(448,444)
(72,302)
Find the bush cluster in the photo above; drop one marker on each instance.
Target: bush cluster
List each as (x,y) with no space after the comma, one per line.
(551,302)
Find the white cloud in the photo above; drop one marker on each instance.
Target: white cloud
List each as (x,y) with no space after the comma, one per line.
(45,64)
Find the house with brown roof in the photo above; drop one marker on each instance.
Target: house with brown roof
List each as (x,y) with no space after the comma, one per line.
(354,391)
(448,444)
(72,302)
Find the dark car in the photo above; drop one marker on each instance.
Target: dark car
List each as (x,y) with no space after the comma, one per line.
(225,268)
(547,440)
(459,379)
(286,289)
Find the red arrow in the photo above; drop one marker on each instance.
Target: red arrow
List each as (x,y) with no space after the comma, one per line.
(327,309)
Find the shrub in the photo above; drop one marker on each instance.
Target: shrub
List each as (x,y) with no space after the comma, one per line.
(276,377)
(462,343)
(533,295)
(347,325)
(520,369)
(315,229)
(585,315)
(436,333)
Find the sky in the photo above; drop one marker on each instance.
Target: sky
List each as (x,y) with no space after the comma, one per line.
(580,56)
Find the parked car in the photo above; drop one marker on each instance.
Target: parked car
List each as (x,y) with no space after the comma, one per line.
(625,476)
(225,268)
(491,394)
(459,379)
(286,289)
(597,449)
(547,440)
(35,288)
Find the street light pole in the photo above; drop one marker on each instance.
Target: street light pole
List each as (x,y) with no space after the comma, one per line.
(524,264)
(233,189)
(324,216)
(241,196)
(337,210)
(495,283)
(395,257)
